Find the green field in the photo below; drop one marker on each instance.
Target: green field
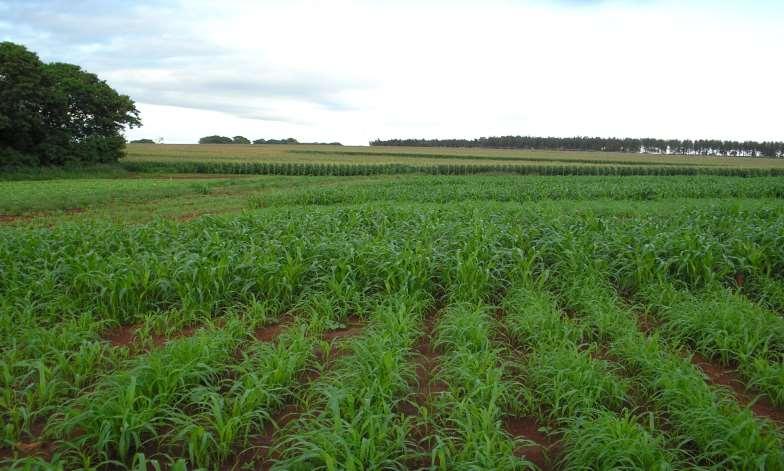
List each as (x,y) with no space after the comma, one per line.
(352,161)
(191,321)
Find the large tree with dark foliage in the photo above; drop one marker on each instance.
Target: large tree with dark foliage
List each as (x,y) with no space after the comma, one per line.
(53,114)
(611,144)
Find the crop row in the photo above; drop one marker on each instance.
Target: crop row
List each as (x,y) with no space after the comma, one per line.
(296,168)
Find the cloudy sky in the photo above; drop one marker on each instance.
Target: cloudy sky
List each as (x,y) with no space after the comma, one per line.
(356,70)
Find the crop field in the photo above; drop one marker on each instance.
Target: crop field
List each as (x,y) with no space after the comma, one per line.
(310,158)
(392,322)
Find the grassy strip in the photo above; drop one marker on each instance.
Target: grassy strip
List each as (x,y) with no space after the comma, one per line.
(352,419)
(721,433)
(451,189)
(725,326)
(468,430)
(582,395)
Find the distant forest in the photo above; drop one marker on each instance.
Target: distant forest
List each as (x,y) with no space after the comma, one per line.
(611,144)
(244,140)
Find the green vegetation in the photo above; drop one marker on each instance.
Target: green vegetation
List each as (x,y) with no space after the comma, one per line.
(56,113)
(391,322)
(416,157)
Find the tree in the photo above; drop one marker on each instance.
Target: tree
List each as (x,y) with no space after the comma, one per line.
(143,141)
(215,140)
(51,114)
(240,140)
(23,97)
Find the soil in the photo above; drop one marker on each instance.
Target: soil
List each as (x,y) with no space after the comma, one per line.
(724,376)
(542,447)
(268,333)
(9,218)
(188,216)
(353,327)
(121,336)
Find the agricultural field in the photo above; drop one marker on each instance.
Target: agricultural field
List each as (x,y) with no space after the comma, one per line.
(424,157)
(172,321)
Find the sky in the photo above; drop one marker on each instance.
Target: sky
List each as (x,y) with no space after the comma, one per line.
(352,71)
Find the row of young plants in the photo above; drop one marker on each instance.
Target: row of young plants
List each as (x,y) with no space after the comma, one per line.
(515,189)
(351,417)
(585,398)
(201,398)
(314,169)
(727,327)
(466,430)
(712,427)
(343,255)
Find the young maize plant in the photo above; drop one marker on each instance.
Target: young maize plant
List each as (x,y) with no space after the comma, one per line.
(725,326)
(722,433)
(583,397)
(765,290)
(217,422)
(468,430)
(352,419)
(127,409)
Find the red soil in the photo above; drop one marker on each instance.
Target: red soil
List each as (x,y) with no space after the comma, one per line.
(723,376)
(121,336)
(352,329)
(528,428)
(268,333)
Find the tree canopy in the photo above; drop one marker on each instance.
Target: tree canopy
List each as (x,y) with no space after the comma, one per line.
(610,144)
(52,114)
(216,140)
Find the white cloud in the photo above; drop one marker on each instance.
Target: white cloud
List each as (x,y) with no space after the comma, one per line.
(352,71)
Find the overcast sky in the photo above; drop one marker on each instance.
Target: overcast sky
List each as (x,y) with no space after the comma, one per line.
(352,71)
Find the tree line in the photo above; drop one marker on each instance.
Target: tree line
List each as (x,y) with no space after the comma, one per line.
(611,144)
(244,140)
(56,113)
